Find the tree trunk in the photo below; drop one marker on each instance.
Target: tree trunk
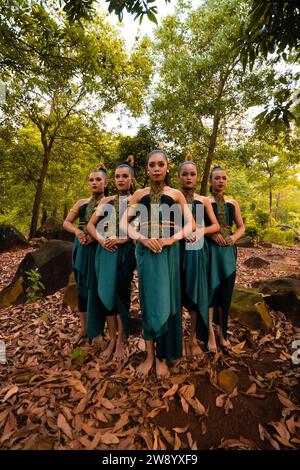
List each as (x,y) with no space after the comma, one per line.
(38,194)
(44,216)
(270,206)
(210,153)
(65,211)
(277,207)
(54,212)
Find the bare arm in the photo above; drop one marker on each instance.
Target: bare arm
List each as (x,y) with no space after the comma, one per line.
(240,227)
(68,224)
(214,226)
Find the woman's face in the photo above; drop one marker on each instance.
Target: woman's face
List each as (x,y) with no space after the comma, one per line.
(188,176)
(157,167)
(123,179)
(97,182)
(218,181)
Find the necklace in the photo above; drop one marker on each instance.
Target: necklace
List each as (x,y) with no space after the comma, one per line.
(221,216)
(188,194)
(156,190)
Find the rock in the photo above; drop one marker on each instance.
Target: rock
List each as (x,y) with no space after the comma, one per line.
(285,228)
(228,380)
(282,294)
(70,294)
(53,229)
(37,242)
(248,306)
(245,242)
(264,244)
(54,263)
(256,262)
(11,238)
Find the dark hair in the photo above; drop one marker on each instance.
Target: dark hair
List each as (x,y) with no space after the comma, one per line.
(215,168)
(129,163)
(102,169)
(186,162)
(153,152)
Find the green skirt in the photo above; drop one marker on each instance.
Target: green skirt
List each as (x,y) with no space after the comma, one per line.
(83,257)
(222,274)
(194,282)
(160,298)
(110,294)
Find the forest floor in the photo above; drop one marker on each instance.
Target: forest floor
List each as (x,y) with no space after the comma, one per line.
(49,400)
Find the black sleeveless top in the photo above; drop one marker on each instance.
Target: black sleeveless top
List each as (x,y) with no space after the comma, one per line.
(166,218)
(230,211)
(82,216)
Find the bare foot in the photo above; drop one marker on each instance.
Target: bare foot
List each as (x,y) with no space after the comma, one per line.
(76,340)
(195,349)
(120,353)
(223,342)
(106,354)
(184,354)
(144,368)
(212,345)
(99,342)
(162,369)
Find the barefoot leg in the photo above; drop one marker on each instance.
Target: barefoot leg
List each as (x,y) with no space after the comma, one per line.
(211,345)
(223,341)
(112,331)
(83,328)
(194,346)
(146,366)
(119,354)
(162,369)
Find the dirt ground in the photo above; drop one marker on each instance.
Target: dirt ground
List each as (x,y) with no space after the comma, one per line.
(55,397)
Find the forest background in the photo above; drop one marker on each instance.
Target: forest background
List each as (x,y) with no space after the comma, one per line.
(216,78)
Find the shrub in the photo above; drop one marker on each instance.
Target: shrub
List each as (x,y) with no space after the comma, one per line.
(275,235)
(35,286)
(252,231)
(261,218)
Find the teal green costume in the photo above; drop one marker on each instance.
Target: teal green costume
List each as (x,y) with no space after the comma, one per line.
(194,278)
(159,291)
(83,257)
(222,272)
(111,292)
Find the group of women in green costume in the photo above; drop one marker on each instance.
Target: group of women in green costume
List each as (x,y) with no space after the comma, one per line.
(190,264)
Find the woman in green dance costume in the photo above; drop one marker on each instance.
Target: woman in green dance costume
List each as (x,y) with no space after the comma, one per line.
(114,264)
(158,263)
(84,247)
(222,256)
(195,257)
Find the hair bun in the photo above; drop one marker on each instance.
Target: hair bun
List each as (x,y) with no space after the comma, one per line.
(102,167)
(161,145)
(189,157)
(130,160)
(217,167)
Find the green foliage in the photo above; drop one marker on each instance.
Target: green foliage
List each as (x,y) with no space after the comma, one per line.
(76,10)
(95,72)
(275,235)
(78,357)
(261,218)
(272,26)
(203,91)
(35,286)
(252,231)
